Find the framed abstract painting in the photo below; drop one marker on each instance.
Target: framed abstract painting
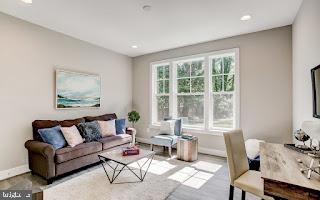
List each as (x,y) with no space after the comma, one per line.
(77,90)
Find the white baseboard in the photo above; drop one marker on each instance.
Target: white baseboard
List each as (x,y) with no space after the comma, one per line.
(13,172)
(203,150)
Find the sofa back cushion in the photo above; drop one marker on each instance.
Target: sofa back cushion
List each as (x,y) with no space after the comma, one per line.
(40,124)
(105,117)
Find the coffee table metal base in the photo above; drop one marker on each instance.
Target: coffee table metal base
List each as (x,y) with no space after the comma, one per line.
(117,170)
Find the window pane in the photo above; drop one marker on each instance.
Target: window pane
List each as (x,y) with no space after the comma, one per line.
(191,109)
(197,84)
(160,72)
(228,83)
(197,68)
(184,85)
(217,83)
(223,110)
(228,64)
(162,107)
(183,70)
(166,86)
(160,87)
(166,72)
(217,66)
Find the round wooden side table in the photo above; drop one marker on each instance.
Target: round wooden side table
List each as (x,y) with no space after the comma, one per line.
(187,150)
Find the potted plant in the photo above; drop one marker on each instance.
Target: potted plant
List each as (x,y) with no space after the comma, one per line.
(133,117)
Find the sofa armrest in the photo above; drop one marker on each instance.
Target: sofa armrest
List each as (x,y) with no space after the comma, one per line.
(132,132)
(41,158)
(42,148)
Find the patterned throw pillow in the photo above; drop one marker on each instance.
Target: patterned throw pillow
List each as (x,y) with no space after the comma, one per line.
(167,127)
(53,136)
(90,131)
(108,128)
(72,135)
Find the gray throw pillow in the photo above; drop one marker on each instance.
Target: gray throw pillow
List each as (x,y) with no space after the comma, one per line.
(90,131)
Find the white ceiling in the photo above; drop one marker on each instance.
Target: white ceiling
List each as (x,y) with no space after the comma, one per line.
(119,24)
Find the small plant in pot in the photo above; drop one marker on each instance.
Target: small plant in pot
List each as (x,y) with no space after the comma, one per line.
(133,117)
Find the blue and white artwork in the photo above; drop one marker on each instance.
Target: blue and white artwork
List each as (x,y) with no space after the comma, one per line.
(77,90)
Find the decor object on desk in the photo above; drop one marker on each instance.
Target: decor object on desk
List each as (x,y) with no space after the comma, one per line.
(133,117)
(77,90)
(301,136)
(187,148)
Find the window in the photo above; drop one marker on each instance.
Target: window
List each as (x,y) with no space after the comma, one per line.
(190,92)
(201,89)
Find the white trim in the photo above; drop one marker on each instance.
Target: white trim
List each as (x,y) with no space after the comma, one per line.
(203,150)
(214,152)
(14,172)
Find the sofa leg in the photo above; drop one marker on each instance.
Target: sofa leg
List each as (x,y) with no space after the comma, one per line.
(151,147)
(231,192)
(50,181)
(170,151)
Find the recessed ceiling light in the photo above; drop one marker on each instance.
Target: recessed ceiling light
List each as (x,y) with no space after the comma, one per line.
(245,17)
(27,1)
(134,46)
(146,8)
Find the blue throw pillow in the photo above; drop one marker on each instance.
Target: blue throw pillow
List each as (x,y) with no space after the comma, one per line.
(120,126)
(177,126)
(53,136)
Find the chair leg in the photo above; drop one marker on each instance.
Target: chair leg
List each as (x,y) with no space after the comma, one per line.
(231,192)
(151,147)
(170,150)
(243,195)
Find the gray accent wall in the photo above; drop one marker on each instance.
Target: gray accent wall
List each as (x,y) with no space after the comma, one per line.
(306,55)
(29,55)
(265,81)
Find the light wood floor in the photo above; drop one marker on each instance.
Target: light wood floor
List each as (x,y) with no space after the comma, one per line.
(216,188)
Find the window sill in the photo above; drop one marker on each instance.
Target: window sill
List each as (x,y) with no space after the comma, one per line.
(215,132)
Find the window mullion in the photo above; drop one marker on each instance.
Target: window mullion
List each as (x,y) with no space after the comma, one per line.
(207,98)
(173,90)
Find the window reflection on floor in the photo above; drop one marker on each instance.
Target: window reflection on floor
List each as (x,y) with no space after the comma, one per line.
(196,175)
(157,167)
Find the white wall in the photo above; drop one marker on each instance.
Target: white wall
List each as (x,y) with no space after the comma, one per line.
(28,56)
(266,85)
(306,55)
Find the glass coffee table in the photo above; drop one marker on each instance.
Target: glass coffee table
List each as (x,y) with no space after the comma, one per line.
(122,163)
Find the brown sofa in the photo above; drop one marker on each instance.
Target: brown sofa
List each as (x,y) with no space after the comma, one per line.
(50,163)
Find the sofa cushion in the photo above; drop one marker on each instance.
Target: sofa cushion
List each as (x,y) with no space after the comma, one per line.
(113,141)
(69,153)
(40,124)
(105,117)
(120,126)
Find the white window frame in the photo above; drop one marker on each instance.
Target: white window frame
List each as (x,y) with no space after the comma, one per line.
(208,109)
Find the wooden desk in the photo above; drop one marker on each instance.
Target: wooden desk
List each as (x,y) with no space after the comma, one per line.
(281,174)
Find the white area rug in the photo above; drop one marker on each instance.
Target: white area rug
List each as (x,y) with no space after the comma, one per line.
(163,177)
